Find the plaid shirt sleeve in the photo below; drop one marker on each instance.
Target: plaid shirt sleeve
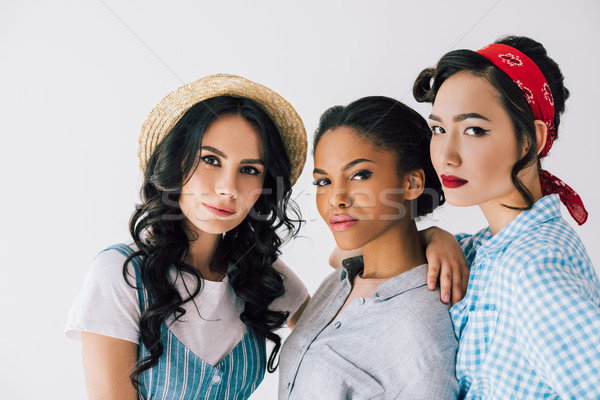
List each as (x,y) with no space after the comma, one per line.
(559,321)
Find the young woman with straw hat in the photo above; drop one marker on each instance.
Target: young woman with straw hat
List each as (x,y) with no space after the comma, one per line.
(183,312)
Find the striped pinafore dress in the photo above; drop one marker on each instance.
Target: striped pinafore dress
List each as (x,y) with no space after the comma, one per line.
(182,375)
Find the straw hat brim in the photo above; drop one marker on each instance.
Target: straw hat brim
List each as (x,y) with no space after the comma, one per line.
(171,108)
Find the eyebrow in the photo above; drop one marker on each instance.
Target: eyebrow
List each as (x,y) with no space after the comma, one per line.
(221,154)
(345,167)
(459,117)
(357,161)
(253,161)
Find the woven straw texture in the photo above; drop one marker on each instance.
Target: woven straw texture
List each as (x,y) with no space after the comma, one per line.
(165,115)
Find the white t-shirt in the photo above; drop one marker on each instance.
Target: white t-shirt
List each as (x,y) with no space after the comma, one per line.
(210,328)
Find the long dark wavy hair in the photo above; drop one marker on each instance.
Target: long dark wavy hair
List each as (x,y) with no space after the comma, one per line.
(430,80)
(391,125)
(246,253)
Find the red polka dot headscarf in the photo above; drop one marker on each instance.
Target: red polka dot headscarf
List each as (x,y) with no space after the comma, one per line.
(530,79)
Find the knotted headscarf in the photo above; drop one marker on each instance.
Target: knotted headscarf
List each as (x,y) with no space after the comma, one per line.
(530,79)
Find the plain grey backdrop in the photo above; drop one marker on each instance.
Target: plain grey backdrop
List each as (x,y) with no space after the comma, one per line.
(79,77)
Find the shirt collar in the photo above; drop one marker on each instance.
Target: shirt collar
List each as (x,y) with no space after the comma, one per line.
(545,209)
(404,282)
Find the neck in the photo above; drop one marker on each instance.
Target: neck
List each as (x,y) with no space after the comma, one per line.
(397,250)
(498,216)
(200,252)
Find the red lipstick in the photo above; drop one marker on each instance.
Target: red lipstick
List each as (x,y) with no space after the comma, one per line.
(452,182)
(218,210)
(341,222)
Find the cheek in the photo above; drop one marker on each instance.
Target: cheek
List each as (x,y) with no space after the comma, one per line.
(323,203)
(434,148)
(365,197)
(198,184)
(496,160)
(251,193)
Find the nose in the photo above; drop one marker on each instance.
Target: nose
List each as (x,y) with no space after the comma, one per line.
(226,185)
(446,149)
(340,198)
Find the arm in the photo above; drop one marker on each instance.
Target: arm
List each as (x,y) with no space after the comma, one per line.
(446,261)
(558,317)
(105,317)
(296,296)
(107,364)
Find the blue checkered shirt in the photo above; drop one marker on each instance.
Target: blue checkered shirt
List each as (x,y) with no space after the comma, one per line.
(529,326)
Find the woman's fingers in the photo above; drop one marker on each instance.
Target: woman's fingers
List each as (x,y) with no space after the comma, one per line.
(445,282)
(457,287)
(433,271)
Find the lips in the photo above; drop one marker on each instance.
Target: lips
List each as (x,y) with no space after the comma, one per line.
(452,182)
(218,210)
(341,222)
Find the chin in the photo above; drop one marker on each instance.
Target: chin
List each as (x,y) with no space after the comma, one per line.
(217,227)
(457,201)
(348,245)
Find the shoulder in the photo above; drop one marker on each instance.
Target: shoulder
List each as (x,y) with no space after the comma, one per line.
(108,265)
(427,319)
(416,313)
(285,271)
(554,235)
(107,304)
(295,291)
(550,246)
(550,259)
(419,330)
(290,279)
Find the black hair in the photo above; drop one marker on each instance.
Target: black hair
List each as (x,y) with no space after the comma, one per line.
(246,253)
(392,126)
(513,100)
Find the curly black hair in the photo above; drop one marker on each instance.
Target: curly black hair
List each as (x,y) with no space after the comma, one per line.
(246,253)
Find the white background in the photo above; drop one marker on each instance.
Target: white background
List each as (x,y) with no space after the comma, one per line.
(79,77)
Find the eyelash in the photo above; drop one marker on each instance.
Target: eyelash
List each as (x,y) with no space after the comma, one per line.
(213,161)
(321,182)
(363,175)
(250,170)
(477,131)
(436,127)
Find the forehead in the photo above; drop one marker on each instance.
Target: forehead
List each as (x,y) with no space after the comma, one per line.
(466,92)
(234,136)
(342,145)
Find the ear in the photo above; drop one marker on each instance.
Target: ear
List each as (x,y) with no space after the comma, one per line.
(413,184)
(541,132)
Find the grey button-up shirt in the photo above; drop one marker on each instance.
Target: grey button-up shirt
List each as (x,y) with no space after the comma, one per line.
(398,344)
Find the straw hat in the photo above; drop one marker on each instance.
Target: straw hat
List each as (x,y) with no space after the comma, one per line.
(165,115)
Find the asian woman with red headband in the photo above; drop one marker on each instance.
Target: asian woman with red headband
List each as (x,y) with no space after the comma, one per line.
(529,325)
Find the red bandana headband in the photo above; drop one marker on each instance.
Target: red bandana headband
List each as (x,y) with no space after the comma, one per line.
(528,77)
